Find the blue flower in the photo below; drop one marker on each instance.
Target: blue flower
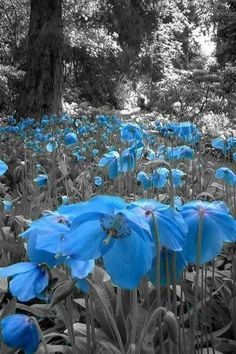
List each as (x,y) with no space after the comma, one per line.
(20,332)
(46,238)
(218,227)
(3,167)
(179,267)
(111,161)
(145,180)
(41,180)
(127,161)
(8,205)
(234,156)
(29,280)
(79,269)
(219,143)
(179,153)
(160,177)
(70,139)
(52,146)
(98,181)
(227,175)
(131,132)
(177,177)
(172,228)
(106,228)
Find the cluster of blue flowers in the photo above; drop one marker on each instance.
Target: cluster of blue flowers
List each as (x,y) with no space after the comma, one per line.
(121,234)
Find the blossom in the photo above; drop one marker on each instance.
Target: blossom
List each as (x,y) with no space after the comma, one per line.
(226,174)
(29,280)
(145,180)
(160,177)
(7,205)
(179,153)
(167,259)
(3,167)
(98,181)
(177,177)
(218,227)
(20,332)
(172,229)
(41,180)
(111,161)
(70,139)
(103,229)
(131,132)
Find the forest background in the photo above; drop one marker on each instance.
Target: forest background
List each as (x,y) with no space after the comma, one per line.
(75,56)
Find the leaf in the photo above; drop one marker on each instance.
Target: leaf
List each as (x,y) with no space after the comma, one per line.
(37,310)
(105,347)
(105,314)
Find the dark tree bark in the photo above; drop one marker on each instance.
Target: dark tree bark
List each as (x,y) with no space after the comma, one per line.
(43,83)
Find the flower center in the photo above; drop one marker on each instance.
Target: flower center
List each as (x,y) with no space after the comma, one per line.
(115,226)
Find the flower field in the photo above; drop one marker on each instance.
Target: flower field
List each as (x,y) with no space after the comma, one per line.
(116,237)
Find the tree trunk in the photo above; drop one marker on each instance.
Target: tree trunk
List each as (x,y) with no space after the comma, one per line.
(43,83)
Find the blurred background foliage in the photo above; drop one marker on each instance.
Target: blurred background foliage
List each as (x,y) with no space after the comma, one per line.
(174,57)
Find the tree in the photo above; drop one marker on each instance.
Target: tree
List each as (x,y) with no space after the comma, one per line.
(43,83)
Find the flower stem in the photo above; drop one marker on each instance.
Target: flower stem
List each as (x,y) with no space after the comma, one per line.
(198,258)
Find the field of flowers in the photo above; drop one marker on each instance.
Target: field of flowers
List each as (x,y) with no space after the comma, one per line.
(116,237)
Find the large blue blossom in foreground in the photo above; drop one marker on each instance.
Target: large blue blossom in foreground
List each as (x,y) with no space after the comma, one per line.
(172,230)
(51,229)
(218,227)
(29,280)
(20,332)
(111,160)
(103,228)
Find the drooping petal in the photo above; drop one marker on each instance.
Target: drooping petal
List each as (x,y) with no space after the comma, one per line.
(17,269)
(129,259)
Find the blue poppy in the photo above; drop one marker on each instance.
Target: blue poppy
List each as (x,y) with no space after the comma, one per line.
(125,244)
(145,180)
(94,152)
(180,265)
(41,180)
(70,139)
(98,181)
(79,269)
(3,167)
(29,280)
(172,228)
(131,132)
(111,161)
(218,227)
(177,176)
(127,161)
(52,146)
(234,156)
(227,175)
(20,332)
(219,143)
(179,153)
(46,238)
(160,177)
(7,205)
(231,143)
